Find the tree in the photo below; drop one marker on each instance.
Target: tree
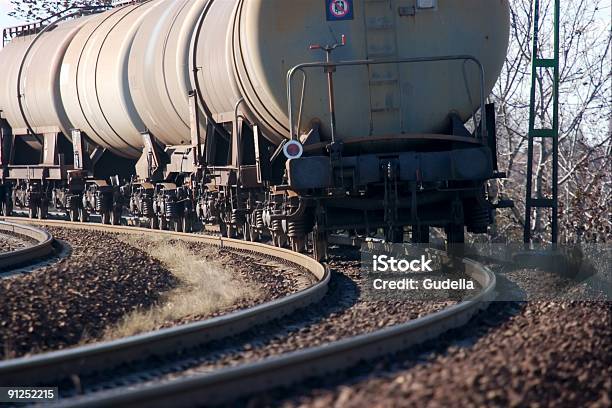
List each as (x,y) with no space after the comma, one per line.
(34,10)
(585,140)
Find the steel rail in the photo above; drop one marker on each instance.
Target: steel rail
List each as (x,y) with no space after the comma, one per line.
(228,384)
(47,367)
(42,247)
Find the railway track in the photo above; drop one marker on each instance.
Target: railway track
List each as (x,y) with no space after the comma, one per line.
(218,386)
(48,367)
(42,246)
(227,384)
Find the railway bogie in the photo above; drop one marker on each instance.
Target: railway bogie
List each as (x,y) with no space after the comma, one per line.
(6,198)
(29,196)
(141,201)
(172,205)
(104,199)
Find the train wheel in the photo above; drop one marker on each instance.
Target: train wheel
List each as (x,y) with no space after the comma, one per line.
(83,216)
(32,212)
(297,244)
(455,234)
(154,222)
(278,240)
(395,235)
(455,239)
(231,231)
(420,234)
(115,217)
(162,224)
(186,220)
(43,212)
(106,217)
(253,234)
(246,234)
(73,214)
(7,207)
(223,229)
(178,225)
(319,245)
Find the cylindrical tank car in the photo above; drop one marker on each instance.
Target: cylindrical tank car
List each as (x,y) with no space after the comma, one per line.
(288,119)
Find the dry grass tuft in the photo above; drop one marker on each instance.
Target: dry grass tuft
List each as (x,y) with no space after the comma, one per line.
(204,287)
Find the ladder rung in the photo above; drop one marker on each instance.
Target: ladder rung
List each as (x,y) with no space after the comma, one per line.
(542,133)
(545,63)
(541,203)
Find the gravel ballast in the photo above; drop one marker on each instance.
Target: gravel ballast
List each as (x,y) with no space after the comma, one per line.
(11,242)
(547,354)
(342,313)
(76,298)
(536,353)
(270,278)
(103,280)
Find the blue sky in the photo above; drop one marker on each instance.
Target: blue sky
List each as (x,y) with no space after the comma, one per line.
(5,20)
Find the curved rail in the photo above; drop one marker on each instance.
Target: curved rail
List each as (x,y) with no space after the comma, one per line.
(50,366)
(42,247)
(285,370)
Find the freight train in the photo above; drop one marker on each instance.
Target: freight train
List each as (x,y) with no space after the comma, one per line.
(284,119)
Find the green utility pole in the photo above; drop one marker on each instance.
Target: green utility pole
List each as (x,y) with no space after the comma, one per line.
(540,133)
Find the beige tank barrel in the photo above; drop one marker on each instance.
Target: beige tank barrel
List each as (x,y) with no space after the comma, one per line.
(39,60)
(159,69)
(94,80)
(258,41)
(130,69)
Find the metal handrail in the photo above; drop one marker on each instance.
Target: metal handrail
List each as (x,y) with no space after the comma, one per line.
(368,62)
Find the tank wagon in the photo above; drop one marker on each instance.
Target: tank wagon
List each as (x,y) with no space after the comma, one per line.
(267,117)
